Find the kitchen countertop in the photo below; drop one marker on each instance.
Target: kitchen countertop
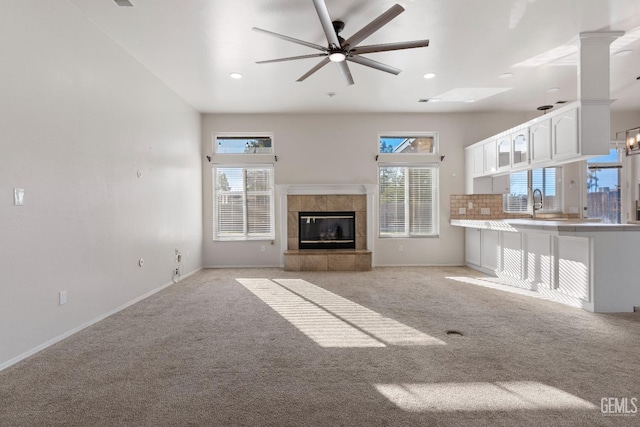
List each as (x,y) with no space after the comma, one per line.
(562,225)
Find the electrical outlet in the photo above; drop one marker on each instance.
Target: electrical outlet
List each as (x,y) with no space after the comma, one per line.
(485,211)
(462,211)
(62,297)
(470,205)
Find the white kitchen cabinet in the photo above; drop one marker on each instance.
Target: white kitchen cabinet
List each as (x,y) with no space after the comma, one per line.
(520,148)
(489,244)
(490,157)
(500,184)
(477,154)
(565,134)
(472,246)
(503,145)
(481,248)
(540,141)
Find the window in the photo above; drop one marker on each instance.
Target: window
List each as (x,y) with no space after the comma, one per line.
(603,187)
(547,180)
(243,203)
(522,184)
(408,201)
(417,144)
(245,144)
(517,201)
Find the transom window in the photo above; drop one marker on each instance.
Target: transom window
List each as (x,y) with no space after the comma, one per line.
(413,144)
(243,203)
(408,201)
(244,144)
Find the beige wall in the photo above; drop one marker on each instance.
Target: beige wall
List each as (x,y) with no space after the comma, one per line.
(341,149)
(79,117)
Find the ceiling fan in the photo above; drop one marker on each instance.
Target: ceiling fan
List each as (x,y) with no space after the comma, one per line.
(342,51)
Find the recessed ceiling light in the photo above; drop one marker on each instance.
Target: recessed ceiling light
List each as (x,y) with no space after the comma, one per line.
(429,75)
(235,75)
(622,53)
(470,100)
(553,89)
(505,76)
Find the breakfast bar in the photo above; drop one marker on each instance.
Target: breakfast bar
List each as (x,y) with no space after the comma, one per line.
(578,262)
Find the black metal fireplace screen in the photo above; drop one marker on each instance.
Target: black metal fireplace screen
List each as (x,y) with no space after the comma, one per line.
(326,230)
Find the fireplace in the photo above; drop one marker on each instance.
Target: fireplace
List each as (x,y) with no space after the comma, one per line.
(327,230)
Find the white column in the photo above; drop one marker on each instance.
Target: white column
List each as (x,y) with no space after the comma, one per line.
(593,90)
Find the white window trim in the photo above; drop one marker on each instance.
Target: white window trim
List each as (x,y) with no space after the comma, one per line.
(237,238)
(436,200)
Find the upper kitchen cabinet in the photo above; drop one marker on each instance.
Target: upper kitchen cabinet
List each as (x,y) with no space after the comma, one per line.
(477,154)
(504,152)
(540,141)
(520,148)
(565,134)
(490,157)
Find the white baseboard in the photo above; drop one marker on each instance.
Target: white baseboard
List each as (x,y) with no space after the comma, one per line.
(67,334)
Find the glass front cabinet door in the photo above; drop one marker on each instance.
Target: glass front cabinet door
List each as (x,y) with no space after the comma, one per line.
(504,152)
(520,145)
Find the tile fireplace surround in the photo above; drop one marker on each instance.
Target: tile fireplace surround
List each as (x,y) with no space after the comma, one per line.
(358,259)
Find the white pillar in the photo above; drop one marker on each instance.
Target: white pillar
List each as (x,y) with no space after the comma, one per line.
(594,92)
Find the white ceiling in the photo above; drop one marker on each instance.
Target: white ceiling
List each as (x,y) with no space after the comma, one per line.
(193,46)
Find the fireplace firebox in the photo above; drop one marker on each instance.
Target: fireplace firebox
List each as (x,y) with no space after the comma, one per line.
(327,230)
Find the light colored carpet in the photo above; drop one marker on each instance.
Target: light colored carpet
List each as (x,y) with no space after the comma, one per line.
(210,351)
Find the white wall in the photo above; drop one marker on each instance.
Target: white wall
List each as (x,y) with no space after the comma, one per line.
(341,149)
(79,117)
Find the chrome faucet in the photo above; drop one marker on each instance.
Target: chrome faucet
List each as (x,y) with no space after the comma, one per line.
(536,205)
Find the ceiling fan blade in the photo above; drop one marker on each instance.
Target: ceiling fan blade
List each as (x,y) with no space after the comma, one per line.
(389,46)
(346,73)
(320,64)
(325,20)
(374,25)
(291,39)
(291,58)
(374,64)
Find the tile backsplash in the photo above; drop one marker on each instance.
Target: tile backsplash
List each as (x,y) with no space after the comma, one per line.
(479,206)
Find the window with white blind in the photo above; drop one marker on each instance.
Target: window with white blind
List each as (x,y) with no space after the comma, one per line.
(547,180)
(517,200)
(522,184)
(408,201)
(243,203)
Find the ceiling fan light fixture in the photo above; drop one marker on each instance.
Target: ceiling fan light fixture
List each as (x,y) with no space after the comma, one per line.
(337,57)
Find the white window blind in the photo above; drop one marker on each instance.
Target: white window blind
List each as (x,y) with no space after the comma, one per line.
(517,200)
(522,184)
(408,201)
(547,181)
(243,203)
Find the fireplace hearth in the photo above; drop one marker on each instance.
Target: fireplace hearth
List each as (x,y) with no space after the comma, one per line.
(327,230)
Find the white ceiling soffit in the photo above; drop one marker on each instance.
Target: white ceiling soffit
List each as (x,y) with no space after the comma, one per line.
(194,46)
